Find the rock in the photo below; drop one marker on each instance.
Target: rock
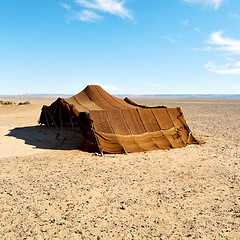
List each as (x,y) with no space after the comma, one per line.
(7,103)
(24,103)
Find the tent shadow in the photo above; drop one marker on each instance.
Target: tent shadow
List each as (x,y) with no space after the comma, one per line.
(43,137)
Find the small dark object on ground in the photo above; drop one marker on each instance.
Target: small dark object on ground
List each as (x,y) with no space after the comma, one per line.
(24,103)
(7,103)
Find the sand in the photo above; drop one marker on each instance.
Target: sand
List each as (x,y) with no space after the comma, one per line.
(52,191)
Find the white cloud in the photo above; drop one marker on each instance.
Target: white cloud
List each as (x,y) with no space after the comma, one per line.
(207,49)
(65,5)
(211,3)
(204,49)
(234,15)
(229,59)
(227,69)
(85,16)
(197,30)
(237,64)
(226,44)
(114,7)
(185,22)
(169,39)
(90,7)
(236,86)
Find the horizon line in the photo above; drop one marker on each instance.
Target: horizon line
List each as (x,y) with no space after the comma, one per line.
(159,95)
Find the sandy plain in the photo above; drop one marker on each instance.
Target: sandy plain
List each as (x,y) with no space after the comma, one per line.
(48,190)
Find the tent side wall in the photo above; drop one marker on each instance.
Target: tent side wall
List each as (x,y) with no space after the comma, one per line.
(137,130)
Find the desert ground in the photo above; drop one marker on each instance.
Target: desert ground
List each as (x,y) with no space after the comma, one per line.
(50,190)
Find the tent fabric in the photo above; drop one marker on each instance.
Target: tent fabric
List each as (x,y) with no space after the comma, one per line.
(115,125)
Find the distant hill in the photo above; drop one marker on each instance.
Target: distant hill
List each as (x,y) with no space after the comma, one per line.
(131,96)
(38,96)
(179,96)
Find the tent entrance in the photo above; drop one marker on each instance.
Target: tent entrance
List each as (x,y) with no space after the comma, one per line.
(68,121)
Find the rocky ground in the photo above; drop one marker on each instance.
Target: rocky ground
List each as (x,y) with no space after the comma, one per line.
(187,193)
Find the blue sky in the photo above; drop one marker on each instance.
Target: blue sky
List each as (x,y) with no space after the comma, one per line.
(131,46)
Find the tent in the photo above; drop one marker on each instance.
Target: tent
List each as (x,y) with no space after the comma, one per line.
(113,125)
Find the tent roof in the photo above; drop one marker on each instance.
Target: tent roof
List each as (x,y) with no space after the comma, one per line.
(94,97)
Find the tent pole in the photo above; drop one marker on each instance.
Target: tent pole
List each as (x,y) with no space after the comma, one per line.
(55,111)
(71,122)
(94,133)
(100,150)
(46,117)
(60,117)
(52,119)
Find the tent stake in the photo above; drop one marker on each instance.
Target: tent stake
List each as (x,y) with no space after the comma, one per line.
(190,133)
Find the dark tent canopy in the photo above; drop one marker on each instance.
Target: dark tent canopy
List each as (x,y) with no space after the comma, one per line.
(113,125)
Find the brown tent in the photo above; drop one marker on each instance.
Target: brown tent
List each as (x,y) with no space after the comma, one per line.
(113,125)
